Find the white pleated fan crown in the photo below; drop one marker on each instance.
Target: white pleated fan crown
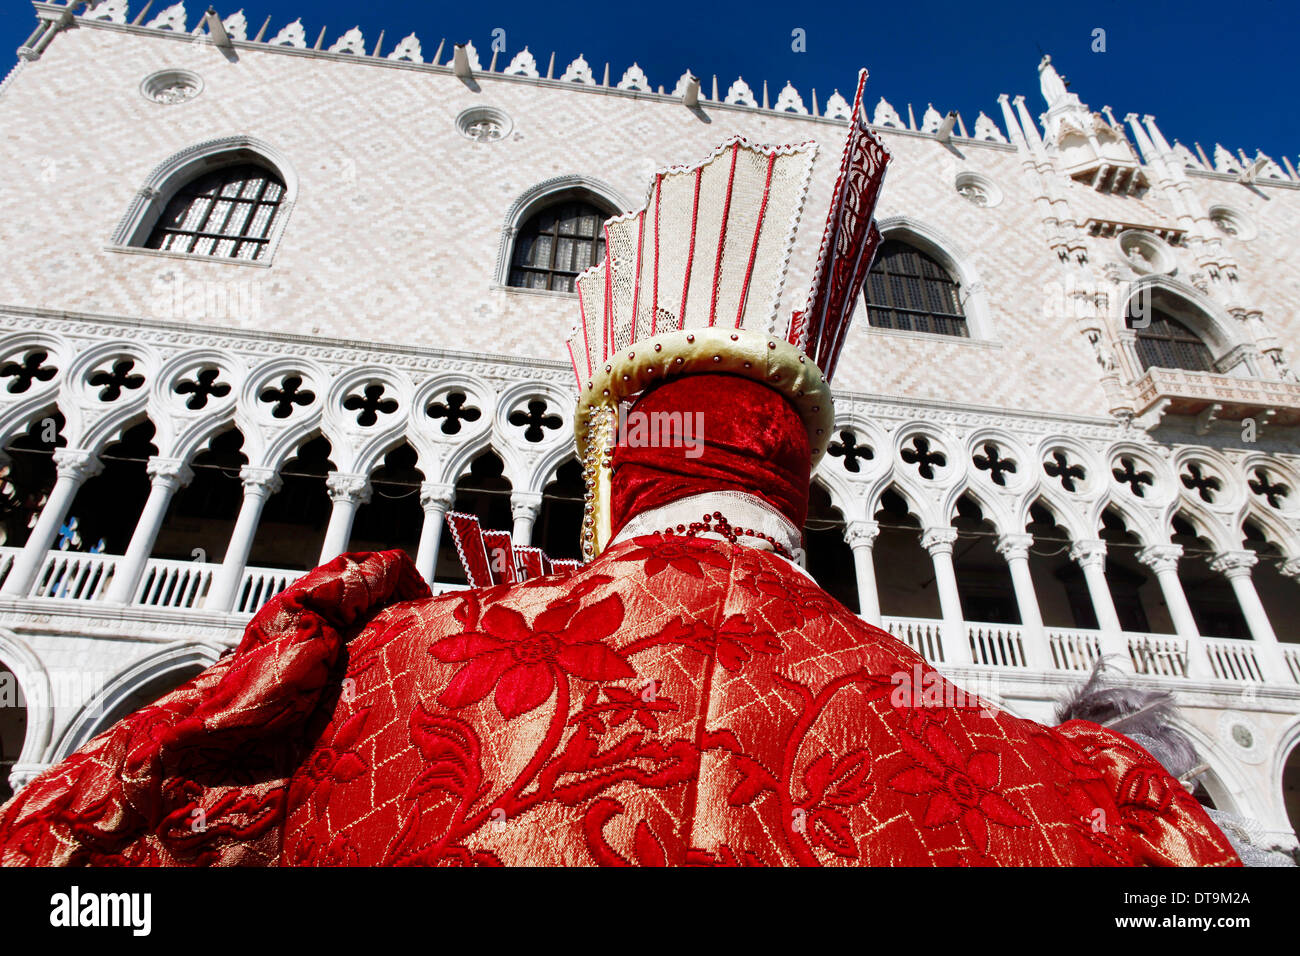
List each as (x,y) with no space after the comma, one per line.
(711,246)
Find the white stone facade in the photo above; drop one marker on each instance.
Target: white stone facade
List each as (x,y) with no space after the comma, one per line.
(406,182)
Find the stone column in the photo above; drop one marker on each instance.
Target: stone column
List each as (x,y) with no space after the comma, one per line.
(1163,560)
(259,485)
(436,499)
(348,491)
(956,645)
(861,537)
(1015,549)
(1235,566)
(1090,554)
(166,476)
(73,468)
(525,506)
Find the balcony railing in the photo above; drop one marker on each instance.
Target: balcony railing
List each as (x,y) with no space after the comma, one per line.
(1168,390)
(165,583)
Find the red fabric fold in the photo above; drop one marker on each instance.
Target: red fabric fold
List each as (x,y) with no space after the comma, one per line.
(200,776)
(743,436)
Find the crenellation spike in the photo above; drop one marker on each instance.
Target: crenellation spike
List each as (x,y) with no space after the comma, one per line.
(492,67)
(766,105)
(144,11)
(380,44)
(911,117)
(550,67)
(714,97)
(320,39)
(437,57)
(814,102)
(262,32)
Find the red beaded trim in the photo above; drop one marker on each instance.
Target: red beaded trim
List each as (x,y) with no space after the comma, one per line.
(718,524)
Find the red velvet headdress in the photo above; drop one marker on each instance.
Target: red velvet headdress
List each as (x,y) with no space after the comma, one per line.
(693,284)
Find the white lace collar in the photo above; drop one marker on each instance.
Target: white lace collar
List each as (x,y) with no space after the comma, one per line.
(742,510)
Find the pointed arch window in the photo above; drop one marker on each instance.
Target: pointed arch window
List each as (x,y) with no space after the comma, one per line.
(1168,343)
(911,291)
(230,212)
(556,243)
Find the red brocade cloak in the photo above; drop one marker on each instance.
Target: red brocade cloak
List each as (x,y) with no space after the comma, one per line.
(677,700)
(362,722)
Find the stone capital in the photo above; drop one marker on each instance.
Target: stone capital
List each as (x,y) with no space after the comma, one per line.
(1161,558)
(76,464)
(1089,552)
(1234,564)
(938,540)
(861,533)
(259,481)
(346,486)
(525,504)
(1290,569)
(437,496)
(172,472)
(1014,547)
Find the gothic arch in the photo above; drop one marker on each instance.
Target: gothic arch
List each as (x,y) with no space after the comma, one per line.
(91,718)
(1223,783)
(1288,740)
(172,173)
(569,186)
(851,504)
(35,683)
(1206,523)
(953,257)
(1217,329)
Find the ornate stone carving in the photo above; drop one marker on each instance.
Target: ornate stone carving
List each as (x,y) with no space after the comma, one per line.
(1161,558)
(525,504)
(77,464)
(740,94)
(345,486)
(170,87)
(169,471)
(1089,552)
(1234,564)
(938,540)
(1014,546)
(579,71)
(789,101)
(260,481)
(861,533)
(634,78)
(437,496)
(351,42)
(522,64)
(408,50)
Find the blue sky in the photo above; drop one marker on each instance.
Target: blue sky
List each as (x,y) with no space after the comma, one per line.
(1209,72)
